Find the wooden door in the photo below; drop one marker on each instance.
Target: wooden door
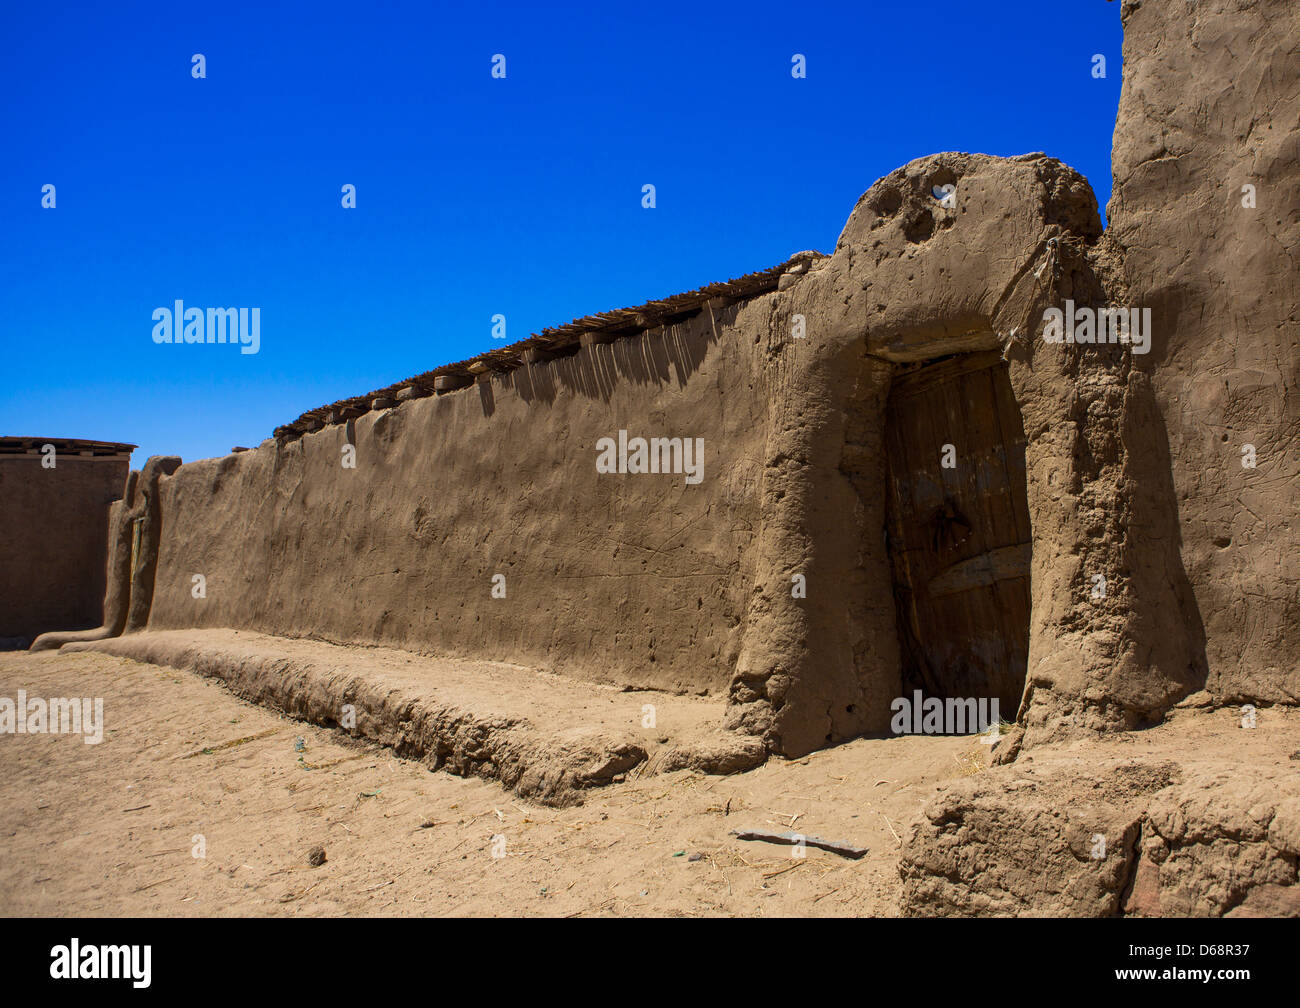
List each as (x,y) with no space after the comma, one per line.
(959,537)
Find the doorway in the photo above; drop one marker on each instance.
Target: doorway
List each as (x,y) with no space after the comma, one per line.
(958,529)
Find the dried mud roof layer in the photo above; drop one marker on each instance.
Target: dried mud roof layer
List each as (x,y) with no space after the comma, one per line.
(559,341)
(30,446)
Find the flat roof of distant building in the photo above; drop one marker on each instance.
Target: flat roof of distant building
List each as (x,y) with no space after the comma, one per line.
(80,447)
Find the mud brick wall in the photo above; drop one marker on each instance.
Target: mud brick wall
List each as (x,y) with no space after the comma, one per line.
(634,579)
(55,540)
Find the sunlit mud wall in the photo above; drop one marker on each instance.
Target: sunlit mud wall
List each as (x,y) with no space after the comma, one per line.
(476,523)
(1207,210)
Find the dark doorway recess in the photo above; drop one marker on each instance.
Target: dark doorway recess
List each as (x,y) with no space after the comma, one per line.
(959,538)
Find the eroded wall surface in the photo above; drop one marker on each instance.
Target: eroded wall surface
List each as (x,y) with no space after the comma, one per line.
(1211,104)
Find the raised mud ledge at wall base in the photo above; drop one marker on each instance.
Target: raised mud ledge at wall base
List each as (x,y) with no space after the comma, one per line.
(544,737)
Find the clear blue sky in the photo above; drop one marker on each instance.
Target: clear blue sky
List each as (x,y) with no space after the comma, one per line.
(475,196)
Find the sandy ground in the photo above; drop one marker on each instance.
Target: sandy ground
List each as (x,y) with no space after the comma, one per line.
(110,829)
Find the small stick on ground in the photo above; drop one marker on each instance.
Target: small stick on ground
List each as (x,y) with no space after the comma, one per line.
(151,885)
(792,839)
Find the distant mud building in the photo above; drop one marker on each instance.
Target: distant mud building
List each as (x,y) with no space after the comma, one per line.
(54,500)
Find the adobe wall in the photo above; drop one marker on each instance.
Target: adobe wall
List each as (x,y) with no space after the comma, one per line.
(634,579)
(52,554)
(1211,103)
(644,580)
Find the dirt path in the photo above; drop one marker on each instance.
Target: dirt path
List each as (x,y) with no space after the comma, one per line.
(110,829)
